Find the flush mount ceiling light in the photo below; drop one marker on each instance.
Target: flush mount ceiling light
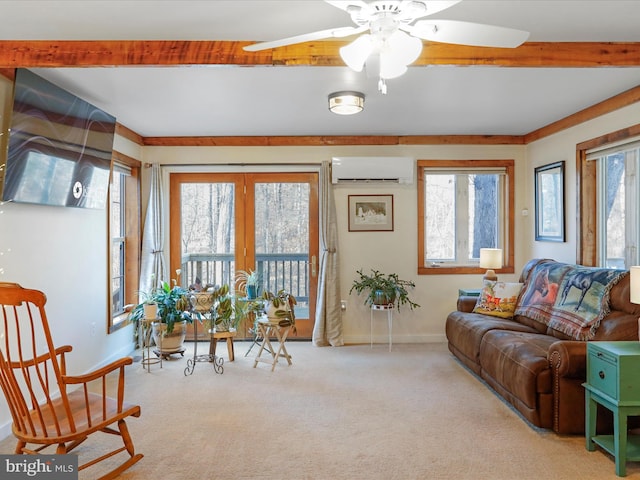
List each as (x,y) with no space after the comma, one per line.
(346,103)
(396,30)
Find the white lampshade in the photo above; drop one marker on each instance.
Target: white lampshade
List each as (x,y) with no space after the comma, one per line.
(634,285)
(404,47)
(491,258)
(389,66)
(346,103)
(356,53)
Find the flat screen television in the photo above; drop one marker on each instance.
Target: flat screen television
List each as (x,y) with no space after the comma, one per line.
(59,147)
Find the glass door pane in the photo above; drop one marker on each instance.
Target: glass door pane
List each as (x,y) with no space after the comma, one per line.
(207,231)
(285,224)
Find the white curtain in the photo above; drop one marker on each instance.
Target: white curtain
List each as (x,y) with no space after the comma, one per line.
(328,325)
(152,265)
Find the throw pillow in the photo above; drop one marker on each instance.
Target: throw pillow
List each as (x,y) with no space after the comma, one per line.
(498,298)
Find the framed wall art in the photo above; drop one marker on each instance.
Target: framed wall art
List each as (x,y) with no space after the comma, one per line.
(549,192)
(371,213)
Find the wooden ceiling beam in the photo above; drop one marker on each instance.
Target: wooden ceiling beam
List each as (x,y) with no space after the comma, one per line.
(110,53)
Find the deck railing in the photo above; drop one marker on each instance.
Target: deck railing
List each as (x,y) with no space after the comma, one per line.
(288,271)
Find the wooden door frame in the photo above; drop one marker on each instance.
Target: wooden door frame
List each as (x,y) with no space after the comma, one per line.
(242,235)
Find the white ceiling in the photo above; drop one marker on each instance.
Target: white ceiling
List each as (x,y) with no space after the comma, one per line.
(229,100)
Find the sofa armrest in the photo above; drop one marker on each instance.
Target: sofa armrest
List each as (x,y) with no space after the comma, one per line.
(466,303)
(568,358)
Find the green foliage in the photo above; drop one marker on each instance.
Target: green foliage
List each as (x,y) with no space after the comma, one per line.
(173,304)
(249,278)
(283,306)
(383,289)
(248,282)
(228,310)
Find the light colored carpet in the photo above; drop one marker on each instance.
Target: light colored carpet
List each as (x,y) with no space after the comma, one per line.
(339,413)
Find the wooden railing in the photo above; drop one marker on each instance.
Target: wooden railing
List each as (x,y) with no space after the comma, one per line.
(288,271)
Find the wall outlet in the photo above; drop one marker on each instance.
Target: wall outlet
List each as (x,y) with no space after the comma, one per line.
(93,329)
(343,306)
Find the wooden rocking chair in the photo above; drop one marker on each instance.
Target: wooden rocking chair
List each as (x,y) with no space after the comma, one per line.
(49,407)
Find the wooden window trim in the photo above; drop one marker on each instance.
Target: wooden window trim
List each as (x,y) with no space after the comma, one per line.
(587,194)
(132,245)
(509,256)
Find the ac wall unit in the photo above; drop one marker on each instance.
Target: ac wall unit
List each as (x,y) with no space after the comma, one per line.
(372,170)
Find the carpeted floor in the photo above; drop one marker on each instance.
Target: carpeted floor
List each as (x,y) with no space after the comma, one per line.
(339,413)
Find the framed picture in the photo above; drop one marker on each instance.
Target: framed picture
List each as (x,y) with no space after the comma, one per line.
(549,190)
(371,213)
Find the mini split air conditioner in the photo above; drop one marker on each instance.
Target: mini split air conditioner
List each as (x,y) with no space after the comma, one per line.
(372,170)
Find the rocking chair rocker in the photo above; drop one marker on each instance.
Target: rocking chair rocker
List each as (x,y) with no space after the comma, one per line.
(49,407)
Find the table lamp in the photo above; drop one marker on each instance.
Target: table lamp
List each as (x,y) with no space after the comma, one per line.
(634,288)
(491,258)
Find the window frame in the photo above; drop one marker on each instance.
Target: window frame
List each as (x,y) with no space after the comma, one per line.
(132,241)
(587,243)
(508,214)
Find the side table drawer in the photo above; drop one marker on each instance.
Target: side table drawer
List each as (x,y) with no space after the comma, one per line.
(603,373)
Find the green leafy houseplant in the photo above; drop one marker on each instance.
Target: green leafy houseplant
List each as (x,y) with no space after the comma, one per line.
(228,310)
(280,306)
(173,304)
(383,289)
(249,282)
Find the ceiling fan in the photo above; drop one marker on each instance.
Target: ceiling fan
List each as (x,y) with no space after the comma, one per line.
(395,34)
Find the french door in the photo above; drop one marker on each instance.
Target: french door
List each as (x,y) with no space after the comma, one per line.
(267,222)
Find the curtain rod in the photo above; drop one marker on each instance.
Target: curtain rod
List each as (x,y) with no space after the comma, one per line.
(243,164)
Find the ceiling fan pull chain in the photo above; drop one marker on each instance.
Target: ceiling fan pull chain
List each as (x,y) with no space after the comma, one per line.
(382,86)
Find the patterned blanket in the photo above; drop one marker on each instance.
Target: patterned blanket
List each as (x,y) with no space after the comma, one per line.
(568,298)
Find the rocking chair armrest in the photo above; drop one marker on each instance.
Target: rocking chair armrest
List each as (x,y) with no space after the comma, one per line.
(100,373)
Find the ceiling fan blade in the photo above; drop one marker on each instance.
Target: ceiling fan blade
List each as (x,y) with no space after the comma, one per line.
(345,4)
(410,8)
(435,6)
(468,33)
(307,37)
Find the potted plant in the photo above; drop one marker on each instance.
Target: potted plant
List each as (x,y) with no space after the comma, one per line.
(228,310)
(249,282)
(173,313)
(280,306)
(383,289)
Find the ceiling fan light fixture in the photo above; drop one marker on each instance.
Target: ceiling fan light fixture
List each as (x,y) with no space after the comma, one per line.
(391,66)
(356,53)
(404,47)
(346,102)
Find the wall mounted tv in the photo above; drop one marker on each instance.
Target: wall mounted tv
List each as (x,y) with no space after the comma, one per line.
(59,148)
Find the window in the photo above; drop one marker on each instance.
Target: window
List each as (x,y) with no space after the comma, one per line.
(124,235)
(464,206)
(617,193)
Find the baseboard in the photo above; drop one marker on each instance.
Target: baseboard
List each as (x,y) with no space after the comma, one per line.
(429,338)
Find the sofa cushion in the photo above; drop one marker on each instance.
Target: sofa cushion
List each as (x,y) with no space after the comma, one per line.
(465,332)
(517,361)
(498,299)
(569,299)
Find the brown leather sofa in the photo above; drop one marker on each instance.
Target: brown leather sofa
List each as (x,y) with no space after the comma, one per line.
(538,370)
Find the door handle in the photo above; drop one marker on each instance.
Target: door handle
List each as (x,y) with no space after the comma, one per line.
(313,266)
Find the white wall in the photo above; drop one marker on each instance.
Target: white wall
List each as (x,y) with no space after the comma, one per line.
(62,251)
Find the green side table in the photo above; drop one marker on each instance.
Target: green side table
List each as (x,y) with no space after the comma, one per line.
(468,292)
(612,381)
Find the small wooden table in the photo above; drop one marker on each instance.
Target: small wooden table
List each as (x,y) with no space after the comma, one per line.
(268,328)
(228,336)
